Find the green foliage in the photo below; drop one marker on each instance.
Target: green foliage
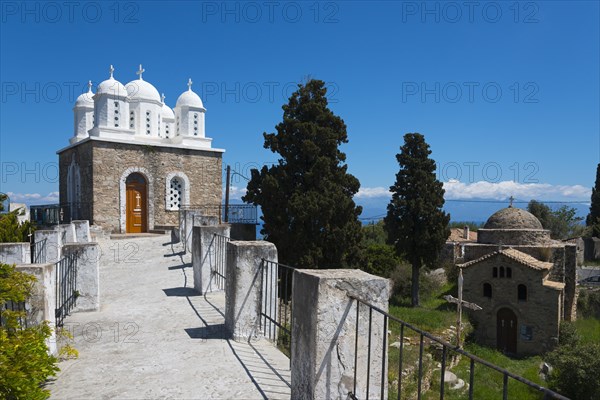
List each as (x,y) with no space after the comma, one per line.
(24,360)
(374,233)
(401,277)
(562,223)
(306,198)
(473,226)
(415,222)
(3,198)
(381,260)
(593,218)
(588,303)
(11,231)
(575,371)
(568,335)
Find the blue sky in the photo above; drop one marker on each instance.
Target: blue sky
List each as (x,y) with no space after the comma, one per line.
(506,93)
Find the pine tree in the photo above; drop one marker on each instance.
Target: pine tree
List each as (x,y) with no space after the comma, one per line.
(415,222)
(593,218)
(306,197)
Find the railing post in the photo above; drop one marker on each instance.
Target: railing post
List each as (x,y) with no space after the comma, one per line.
(325,334)
(82,231)
(243,291)
(204,255)
(53,244)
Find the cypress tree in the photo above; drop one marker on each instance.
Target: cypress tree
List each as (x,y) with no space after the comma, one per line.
(593,218)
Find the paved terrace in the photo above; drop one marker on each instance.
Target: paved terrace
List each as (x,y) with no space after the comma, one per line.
(155,337)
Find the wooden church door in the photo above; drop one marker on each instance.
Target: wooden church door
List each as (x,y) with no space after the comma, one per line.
(506,323)
(136,204)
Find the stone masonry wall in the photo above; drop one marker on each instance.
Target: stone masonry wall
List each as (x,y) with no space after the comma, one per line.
(106,162)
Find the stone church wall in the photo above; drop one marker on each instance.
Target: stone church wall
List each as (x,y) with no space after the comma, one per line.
(103,165)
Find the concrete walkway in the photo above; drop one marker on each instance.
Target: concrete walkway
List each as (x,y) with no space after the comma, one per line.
(156,338)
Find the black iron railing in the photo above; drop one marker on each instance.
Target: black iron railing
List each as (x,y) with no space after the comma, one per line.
(66,287)
(447,351)
(38,252)
(219,263)
(55,214)
(276,307)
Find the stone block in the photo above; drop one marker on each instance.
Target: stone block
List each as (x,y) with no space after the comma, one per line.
(54,244)
(82,231)
(243,291)
(324,319)
(204,254)
(15,253)
(88,274)
(67,233)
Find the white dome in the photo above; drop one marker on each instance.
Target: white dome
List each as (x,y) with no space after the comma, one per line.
(142,90)
(189,99)
(166,112)
(86,99)
(112,86)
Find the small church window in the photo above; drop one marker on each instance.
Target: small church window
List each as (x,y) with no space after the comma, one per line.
(175,193)
(116,104)
(508,272)
(522,293)
(487,290)
(495,272)
(501,272)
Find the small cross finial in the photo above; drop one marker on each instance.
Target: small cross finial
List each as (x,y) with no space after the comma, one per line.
(190,84)
(89,86)
(511,201)
(162,98)
(140,72)
(111,69)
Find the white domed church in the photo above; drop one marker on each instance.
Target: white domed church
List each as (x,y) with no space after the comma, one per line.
(133,162)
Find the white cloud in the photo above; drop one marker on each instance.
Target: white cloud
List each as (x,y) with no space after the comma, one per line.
(235,192)
(30,198)
(498,191)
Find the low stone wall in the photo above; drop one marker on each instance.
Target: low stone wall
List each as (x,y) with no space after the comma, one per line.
(15,253)
(42,303)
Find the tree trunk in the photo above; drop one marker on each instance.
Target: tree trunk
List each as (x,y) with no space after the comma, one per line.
(415,284)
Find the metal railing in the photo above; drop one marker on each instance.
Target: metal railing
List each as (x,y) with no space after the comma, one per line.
(219,263)
(55,214)
(235,213)
(66,287)
(276,304)
(38,252)
(447,350)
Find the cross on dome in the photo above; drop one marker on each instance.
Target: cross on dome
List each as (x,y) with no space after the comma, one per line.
(111,69)
(140,72)
(511,201)
(162,98)
(89,86)
(190,84)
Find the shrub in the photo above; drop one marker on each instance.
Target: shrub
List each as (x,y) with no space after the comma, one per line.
(11,231)
(381,260)
(401,277)
(568,335)
(24,360)
(575,371)
(588,303)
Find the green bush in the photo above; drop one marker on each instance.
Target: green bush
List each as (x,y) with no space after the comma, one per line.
(401,277)
(24,360)
(381,260)
(11,231)
(575,372)
(588,303)
(568,335)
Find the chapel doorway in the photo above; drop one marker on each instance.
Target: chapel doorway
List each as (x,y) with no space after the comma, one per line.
(136,204)
(506,323)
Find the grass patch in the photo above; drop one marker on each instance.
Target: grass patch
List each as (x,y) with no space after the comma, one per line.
(588,330)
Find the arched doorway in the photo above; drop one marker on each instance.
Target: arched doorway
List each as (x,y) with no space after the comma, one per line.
(136,204)
(506,323)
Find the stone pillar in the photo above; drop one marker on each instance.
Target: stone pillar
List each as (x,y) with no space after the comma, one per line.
(88,275)
(243,290)
(570,293)
(188,223)
(67,233)
(324,334)
(15,253)
(53,244)
(205,220)
(203,255)
(82,231)
(42,303)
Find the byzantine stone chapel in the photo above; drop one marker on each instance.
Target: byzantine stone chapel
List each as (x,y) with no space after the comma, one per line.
(133,161)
